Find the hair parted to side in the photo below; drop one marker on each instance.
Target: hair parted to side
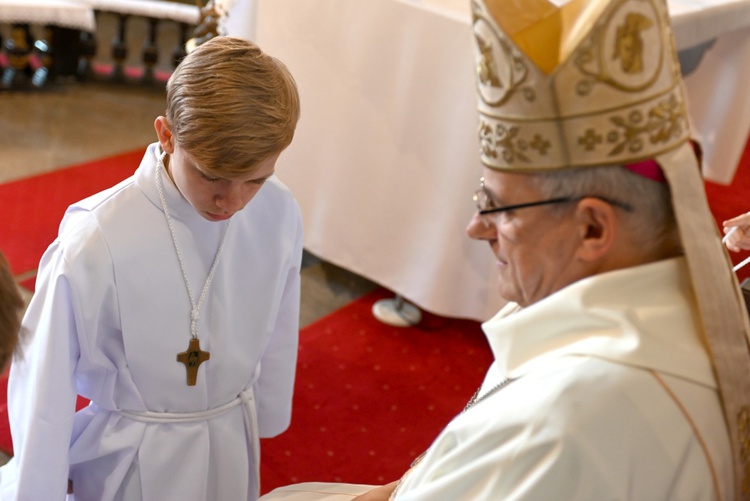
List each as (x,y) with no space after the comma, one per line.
(652,222)
(231,106)
(11,307)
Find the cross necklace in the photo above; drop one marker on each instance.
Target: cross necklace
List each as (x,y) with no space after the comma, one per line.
(194,356)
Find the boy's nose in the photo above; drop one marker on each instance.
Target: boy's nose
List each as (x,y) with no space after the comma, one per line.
(231,199)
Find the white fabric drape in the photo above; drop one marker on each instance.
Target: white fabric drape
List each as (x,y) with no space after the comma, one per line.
(385,158)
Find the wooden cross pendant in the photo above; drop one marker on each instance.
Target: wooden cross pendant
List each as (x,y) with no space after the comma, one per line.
(193,358)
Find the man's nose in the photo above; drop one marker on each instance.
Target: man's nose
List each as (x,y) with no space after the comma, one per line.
(480,228)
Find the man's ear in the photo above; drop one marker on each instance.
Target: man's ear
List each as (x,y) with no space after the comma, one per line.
(598,226)
(164,133)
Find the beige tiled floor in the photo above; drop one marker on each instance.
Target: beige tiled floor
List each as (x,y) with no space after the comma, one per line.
(70,124)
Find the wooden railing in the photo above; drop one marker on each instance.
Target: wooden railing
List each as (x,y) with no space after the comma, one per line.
(37,55)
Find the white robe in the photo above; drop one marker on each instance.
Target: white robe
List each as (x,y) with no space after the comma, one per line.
(111,313)
(586,416)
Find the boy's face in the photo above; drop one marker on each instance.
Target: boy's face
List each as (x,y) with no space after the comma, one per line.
(215,198)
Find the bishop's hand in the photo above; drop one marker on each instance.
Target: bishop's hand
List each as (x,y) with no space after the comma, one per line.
(737,233)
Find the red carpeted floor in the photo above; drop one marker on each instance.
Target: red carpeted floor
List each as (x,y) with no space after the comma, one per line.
(34,206)
(368,397)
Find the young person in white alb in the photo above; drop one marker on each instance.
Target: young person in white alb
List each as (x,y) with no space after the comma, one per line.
(171,301)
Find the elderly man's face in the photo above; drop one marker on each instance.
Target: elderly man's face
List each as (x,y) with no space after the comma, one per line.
(535,249)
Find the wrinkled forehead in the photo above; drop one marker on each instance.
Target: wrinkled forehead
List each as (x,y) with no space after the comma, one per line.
(503,184)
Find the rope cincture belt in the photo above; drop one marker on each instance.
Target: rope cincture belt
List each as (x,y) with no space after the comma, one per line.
(246,399)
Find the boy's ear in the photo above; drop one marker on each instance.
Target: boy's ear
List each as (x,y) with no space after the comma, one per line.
(164,133)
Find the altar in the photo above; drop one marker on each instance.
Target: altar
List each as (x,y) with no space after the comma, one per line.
(385,158)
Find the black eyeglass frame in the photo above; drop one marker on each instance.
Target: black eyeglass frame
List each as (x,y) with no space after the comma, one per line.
(559,200)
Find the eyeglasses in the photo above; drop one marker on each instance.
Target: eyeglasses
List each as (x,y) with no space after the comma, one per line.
(485,204)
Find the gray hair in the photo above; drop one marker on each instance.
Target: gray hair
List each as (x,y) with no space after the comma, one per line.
(651,221)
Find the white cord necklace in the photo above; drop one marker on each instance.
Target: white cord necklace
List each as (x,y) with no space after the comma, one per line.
(193,357)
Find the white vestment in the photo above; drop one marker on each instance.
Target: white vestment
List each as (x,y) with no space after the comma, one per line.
(111,313)
(613,398)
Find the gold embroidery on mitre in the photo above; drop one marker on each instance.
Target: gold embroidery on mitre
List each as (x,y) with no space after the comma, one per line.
(637,131)
(625,50)
(498,140)
(501,70)
(609,93)
(629,46)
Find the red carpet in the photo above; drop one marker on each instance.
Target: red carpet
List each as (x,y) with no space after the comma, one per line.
(369,398)
(34,206)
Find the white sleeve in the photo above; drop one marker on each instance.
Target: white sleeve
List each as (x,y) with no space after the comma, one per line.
(42,390)
(275,385)
(74,300)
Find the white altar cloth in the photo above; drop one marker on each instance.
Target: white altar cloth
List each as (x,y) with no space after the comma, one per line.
(79,14)
(178,12)
(65,13)
(385,158)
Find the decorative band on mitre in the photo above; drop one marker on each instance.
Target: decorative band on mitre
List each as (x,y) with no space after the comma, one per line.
(626,135)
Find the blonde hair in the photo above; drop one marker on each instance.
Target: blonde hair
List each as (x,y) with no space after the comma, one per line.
(231,106)
(11,306)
